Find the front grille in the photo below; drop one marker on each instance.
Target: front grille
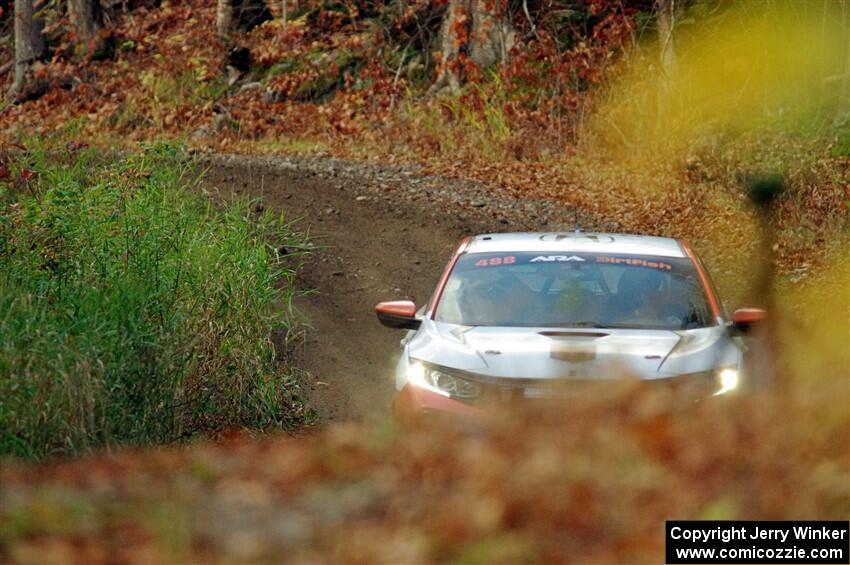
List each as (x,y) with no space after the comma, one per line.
(690,387)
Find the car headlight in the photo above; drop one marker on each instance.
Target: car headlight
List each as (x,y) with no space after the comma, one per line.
(727,379)
(435,380)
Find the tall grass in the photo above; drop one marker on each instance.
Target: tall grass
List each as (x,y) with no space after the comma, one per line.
(132,310)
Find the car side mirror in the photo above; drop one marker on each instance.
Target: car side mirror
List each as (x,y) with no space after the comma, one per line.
(743,319)
(399,314)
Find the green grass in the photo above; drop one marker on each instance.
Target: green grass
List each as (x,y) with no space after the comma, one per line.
(133,310)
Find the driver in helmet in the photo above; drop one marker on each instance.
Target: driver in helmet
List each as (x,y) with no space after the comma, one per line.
(494,298)
(640,293)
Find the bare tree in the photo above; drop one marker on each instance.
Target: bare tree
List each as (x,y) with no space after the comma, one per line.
(29,45)
(473,30)
(87,20)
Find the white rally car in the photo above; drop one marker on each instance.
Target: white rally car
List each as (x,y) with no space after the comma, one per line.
(516,312)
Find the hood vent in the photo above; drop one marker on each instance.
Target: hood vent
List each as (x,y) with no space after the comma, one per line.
(591,335)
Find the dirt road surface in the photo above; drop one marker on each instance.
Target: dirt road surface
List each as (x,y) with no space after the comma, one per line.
(381,233)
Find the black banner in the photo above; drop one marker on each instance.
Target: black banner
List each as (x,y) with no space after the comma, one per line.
(717,541)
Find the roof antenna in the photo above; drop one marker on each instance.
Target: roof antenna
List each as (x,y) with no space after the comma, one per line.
(575,220)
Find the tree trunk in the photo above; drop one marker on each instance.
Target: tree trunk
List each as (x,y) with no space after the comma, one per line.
(233,15)
(472,33)
(29,44)
(666,15)
(86,18)
(665,21)
(844,106)
(224,17)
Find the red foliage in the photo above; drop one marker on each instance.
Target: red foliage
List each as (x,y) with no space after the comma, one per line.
(354,81)
(583,482)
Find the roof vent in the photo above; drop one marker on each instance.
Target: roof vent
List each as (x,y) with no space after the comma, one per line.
(556,237)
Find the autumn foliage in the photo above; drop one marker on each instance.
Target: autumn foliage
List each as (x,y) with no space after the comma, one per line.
(355,79)
(588,482)
(576,114)
(348,64)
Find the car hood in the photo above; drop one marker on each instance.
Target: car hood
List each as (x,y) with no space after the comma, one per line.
(547,353)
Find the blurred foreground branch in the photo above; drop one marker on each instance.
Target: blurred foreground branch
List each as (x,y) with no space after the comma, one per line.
(763,189)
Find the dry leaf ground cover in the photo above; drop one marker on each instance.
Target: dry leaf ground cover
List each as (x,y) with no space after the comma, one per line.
(592,482)
(352,81)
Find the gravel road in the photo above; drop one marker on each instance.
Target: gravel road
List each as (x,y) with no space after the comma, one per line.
(381,233)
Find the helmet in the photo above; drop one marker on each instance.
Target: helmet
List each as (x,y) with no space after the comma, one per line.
(638,285)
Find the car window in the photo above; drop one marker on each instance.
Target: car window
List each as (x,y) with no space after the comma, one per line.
(591,290)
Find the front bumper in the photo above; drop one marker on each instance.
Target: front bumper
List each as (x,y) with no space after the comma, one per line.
(412,403)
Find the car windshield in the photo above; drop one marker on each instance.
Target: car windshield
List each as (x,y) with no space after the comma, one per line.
(574,290)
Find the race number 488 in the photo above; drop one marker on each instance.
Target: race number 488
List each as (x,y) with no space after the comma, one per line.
(495,261)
